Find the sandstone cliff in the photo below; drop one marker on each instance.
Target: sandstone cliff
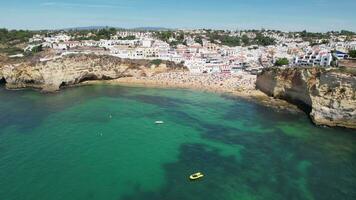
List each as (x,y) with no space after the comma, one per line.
(328,95)
(72,69)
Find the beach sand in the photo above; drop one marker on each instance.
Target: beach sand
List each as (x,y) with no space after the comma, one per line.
(241,85)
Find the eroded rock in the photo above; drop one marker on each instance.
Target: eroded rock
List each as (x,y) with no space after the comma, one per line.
(328,95)
(72,69)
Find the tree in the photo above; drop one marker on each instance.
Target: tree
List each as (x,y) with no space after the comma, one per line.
(130,37)
(245,40)
(281,62)
(164,35)
(347,33)
(264,41)
(199,40)
(14,36)
(230,41)
(104,34)
(180,36)
(174,44)
(352,53)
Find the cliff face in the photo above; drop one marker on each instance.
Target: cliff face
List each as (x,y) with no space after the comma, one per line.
(327,95)
(72,69)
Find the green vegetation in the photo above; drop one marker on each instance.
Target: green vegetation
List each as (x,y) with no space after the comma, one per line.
(11,50)
(10,39)
(245,40)
(199,40)
(221,37)
(104,34)
(347,33)
(156,62)
(100,34)
(173,44)
(352,53)
(167,35)
(309,35)
(37,49)
(263,40)
(130,37)
(224,38)
(230,41)
(34,50)
(282,62)
(14,37)
(164,35)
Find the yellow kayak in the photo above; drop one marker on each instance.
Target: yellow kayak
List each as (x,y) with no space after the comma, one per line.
(196,176)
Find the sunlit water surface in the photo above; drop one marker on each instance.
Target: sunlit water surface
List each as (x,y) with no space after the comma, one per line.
(101,143)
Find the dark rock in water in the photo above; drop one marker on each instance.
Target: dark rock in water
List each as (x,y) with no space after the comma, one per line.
(2,81)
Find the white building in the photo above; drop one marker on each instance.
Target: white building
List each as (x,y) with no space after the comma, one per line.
(57,38)
(322,58)
(147,43)
(60,46)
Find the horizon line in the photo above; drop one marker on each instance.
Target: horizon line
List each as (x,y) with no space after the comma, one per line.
(165,28)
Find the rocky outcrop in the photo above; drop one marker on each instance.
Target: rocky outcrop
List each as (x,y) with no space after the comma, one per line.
(69,70)
(328,95)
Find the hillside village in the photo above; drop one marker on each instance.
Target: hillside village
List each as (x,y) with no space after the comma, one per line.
(202,51)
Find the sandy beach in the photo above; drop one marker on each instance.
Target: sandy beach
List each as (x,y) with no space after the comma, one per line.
(240,85)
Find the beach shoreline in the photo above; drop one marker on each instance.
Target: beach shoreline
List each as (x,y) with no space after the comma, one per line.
(232,86)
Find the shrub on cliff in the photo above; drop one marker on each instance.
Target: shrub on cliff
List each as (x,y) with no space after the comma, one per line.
(281,62)
(156,62)
(352,53)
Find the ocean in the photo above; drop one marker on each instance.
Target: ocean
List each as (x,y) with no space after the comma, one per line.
(101,143)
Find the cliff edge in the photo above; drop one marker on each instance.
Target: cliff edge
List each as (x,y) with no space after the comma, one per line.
(50,76)
(328,95)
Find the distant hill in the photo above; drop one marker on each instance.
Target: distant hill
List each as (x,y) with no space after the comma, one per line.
(86,28)
(151,28)
(103,27)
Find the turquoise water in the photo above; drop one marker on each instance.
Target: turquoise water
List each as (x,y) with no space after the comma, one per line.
(100,142)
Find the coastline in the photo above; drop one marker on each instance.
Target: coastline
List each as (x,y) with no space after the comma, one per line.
(247,92)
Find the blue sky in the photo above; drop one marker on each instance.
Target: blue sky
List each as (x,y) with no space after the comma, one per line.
(312,15)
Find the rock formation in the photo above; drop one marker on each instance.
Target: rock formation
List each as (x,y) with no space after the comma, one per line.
(69,70)
(328,95)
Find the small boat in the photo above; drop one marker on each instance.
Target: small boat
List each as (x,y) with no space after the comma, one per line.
(159,122)
(196,176)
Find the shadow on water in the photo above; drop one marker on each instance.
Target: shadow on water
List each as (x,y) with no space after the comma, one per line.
(273,166)
(225,178)
(251,109)
(264,111)
(178,186)
(26,109)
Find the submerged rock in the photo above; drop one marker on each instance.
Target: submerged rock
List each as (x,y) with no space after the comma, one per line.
(328,95)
